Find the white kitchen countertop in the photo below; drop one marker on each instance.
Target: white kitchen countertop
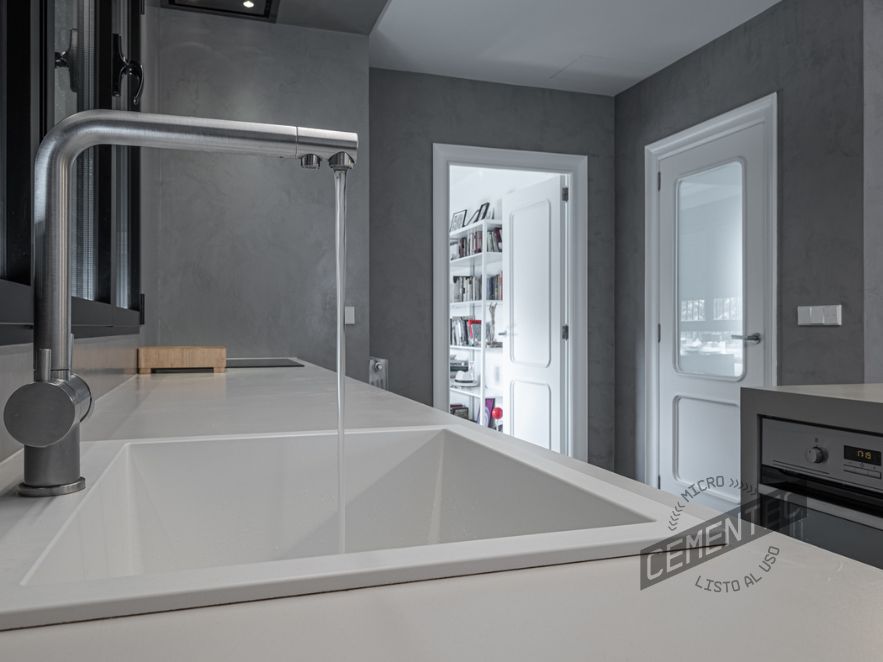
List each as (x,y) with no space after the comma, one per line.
(811,605)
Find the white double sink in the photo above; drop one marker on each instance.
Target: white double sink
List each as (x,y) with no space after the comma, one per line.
(178,523)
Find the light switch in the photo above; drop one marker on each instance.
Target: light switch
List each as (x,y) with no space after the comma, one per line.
(820,315)
(832,316)
(349,315)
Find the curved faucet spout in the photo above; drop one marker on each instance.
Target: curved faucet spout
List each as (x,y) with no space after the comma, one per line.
(53,466)
(70,137)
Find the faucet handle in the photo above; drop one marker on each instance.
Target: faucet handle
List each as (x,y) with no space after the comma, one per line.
(44,413)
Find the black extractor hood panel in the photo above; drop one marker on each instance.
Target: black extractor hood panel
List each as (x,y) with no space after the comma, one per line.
(262,10)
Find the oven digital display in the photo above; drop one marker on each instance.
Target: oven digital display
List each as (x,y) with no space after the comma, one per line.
(862,455)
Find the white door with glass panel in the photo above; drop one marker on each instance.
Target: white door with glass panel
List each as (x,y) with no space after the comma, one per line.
(713,303)
(533,344)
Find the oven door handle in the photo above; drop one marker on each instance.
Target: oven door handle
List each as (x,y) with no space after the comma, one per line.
(823,507)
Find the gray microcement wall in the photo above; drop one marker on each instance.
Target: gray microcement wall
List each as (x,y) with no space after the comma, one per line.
(239,250)
(410,112)
(873,183)
(810,52)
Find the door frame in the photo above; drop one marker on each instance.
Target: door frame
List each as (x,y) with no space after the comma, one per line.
(763,111)
(576,168)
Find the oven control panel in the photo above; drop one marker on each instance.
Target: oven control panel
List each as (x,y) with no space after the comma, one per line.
(843,456)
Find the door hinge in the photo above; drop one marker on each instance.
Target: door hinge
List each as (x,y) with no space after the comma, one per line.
(659,181)
(659,482)
(141,315)
(659,333)
(565,332)
(565,194)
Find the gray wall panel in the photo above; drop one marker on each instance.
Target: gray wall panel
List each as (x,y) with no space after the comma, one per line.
(241,249)
(810,52)
(410,112)
(873,183)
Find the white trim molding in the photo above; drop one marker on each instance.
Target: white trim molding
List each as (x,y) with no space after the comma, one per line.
(576,168)
(763,111)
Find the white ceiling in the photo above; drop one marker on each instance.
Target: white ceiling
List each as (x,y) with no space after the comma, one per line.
(471,186)
(598,46)
(356,16)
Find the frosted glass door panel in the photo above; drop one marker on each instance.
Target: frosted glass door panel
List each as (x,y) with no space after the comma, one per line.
(710,281)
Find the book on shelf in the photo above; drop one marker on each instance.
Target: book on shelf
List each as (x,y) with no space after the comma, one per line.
(487,415)
(460,410)
(495,287)
(466,246)
(474,243)
(463,330)
(465,288)
(474,329)
(457,365)
(494,240)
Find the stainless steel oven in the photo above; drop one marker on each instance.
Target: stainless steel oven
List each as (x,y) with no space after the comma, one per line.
(835,475)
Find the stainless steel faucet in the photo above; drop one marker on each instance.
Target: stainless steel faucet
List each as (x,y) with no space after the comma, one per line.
(45,416)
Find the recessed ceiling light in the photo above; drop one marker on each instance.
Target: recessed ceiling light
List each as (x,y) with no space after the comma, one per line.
(248,4)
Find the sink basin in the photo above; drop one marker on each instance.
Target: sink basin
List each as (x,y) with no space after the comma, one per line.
(168,524)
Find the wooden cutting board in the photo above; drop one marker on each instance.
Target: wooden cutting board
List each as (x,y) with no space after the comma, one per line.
(181,357)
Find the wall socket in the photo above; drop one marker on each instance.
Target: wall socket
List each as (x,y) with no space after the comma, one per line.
(349,315)
(378,372)
(820,315)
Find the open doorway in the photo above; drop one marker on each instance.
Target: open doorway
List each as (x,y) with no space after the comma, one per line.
(508,323)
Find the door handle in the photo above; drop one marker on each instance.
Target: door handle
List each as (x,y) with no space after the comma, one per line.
(752,339)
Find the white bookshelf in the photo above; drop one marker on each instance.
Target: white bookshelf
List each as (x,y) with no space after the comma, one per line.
(468,391)
(485,263)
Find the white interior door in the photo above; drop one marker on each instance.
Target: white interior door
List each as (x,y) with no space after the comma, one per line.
(533,285)
(714,290)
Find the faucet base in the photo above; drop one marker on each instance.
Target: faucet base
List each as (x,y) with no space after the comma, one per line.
(26,490)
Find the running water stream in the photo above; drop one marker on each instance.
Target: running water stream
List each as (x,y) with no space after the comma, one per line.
(340,171)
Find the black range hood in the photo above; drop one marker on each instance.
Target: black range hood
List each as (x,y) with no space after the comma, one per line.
(261,10)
